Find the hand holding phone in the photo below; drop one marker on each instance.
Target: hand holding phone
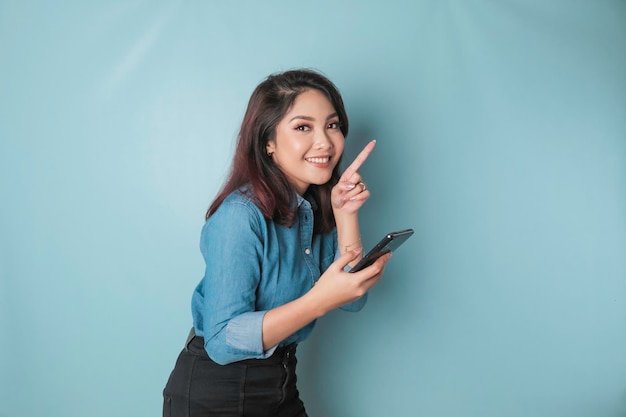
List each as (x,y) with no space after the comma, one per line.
(390,242)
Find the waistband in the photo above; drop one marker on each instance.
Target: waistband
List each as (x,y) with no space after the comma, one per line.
(281,352)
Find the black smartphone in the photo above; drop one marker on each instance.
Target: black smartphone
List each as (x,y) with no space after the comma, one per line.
(389,243)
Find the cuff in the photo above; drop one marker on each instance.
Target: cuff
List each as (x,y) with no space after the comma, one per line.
(245,333)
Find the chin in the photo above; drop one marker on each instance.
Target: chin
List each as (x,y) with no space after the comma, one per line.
(322,181)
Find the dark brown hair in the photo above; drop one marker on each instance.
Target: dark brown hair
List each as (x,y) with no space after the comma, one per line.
(268,186)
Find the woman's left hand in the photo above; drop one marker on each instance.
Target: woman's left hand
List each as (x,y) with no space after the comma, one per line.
(349,194)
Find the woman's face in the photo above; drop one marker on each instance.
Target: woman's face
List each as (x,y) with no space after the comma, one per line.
(308,141)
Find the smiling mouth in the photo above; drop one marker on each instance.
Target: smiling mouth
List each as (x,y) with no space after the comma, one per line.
(318,160)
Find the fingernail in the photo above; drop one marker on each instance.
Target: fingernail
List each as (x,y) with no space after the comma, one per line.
(350,186)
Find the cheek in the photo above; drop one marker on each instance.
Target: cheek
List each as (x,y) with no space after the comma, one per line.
(339,145)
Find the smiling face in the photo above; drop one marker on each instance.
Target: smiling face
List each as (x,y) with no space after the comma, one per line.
(308,141)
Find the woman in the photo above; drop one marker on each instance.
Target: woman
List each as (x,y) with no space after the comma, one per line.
(277,243)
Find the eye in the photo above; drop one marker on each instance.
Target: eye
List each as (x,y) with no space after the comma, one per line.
(303,128)
(334,125)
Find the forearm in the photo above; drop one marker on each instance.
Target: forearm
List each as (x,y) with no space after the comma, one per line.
(348,234)
(334,289)
(281,322)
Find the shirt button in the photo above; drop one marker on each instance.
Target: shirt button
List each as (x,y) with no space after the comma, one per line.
(307,251)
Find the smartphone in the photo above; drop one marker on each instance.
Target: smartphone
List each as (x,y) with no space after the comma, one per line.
(389,243)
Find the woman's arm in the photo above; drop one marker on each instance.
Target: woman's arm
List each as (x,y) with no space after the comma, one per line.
(349,235)
(334,289)
(347,197)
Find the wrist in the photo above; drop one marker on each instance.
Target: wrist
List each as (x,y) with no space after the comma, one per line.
(341,215)
(345,246)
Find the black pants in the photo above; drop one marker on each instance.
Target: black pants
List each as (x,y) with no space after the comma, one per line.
(254,387)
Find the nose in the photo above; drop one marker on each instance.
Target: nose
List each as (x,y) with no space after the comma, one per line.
(322,140)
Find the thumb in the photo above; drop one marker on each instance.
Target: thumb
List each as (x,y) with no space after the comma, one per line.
(348,257)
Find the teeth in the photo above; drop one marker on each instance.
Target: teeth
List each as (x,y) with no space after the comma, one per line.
(318,160)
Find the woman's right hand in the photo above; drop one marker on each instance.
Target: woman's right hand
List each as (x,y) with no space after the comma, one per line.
(337,287)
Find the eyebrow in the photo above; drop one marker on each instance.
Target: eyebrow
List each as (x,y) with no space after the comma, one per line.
(312,119)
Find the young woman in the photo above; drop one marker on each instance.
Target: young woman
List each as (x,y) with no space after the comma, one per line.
(277,243)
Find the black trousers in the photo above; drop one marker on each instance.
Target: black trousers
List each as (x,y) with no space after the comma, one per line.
(255,387)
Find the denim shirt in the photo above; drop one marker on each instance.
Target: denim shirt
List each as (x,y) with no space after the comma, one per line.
(253,265)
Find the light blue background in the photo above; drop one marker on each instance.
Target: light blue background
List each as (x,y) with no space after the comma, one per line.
(501,129)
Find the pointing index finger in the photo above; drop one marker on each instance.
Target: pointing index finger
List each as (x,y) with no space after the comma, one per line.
(358,161)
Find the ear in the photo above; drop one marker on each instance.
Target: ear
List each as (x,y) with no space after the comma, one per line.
(270,147)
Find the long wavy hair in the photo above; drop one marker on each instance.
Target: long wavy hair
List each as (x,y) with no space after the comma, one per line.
(267,185)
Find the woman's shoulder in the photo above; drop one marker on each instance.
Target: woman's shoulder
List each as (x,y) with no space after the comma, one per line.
(238,205)
(238,216)
(241,197)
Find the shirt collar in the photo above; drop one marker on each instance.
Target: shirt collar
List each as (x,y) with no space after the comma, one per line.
(308,198)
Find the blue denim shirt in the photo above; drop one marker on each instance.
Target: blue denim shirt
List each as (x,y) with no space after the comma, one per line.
(252,266)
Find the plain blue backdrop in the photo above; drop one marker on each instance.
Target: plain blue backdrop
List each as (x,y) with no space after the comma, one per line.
(501,128)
